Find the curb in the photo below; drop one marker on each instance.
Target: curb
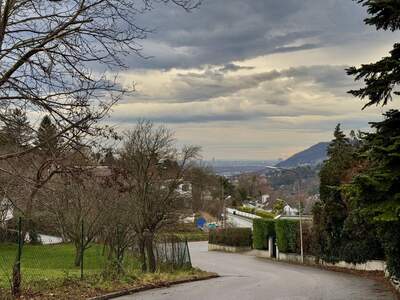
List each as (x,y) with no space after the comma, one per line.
(150,287)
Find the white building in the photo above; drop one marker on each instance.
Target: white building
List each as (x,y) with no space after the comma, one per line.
(289,211)
(265,199)
(6,211)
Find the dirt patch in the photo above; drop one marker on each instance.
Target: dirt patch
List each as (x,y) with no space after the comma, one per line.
(149,287)
(79,290)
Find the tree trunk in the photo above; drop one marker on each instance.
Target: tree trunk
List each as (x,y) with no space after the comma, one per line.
(28,214)
(150,253)
(77,255)
(142,254)
(16,280)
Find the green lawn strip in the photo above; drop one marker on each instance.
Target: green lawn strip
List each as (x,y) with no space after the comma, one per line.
(193,236)
(49,262)
(48,272)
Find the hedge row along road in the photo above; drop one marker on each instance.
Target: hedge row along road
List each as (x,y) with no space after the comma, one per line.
(245,277)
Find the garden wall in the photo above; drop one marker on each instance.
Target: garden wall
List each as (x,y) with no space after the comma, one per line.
(224,248)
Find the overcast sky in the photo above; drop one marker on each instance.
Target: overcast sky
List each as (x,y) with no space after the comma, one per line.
(255,79)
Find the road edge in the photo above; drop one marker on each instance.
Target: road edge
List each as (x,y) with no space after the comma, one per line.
(165,284)
(375,275)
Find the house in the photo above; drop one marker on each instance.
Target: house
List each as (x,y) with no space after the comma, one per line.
(265,198)
(185,189)
(6,211)
(290,211)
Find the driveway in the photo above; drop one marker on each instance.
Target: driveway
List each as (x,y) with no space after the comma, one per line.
(246,277)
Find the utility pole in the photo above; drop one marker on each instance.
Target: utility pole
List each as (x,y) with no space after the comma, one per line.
(223,203)
(299,193)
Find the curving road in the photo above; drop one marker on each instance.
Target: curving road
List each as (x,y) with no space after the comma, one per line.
(248,278)
(238,221)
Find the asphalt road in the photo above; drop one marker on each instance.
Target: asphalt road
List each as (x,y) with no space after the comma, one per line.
(246,277)
(238,221)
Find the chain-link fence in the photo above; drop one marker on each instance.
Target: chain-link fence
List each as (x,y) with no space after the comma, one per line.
(31,261)
(172,251)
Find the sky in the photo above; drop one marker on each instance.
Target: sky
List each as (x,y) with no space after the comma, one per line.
(252,80)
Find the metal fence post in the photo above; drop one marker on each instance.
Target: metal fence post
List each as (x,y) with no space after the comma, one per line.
(188,253)
(82,249)
(16,276)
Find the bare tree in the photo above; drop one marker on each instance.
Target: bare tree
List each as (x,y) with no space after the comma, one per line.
(54,54)
(28,178)
(154,169)
(118,233)
(203,180)
(80,202)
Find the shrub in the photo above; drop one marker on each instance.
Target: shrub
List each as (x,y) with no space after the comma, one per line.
(286,235)
(258,212)
(236,237)
(390,235)
(309,239)
(360,241)
(262,229)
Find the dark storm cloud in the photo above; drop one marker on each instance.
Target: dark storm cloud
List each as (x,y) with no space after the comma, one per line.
(193,117)
(203,87)
(233,68)
(222,31)
(214,83)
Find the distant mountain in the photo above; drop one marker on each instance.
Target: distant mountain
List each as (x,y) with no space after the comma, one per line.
(311,156)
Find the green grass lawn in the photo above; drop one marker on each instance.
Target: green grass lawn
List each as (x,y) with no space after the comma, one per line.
(51,262)
(48,272)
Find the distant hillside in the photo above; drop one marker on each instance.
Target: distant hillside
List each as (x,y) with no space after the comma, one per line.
(311,156)
(236,167)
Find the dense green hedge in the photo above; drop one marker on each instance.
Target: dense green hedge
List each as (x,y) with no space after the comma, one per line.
(264,214)
(287,232)
(258,212)
(359,240)
(262,229)
(245,209)
(237,237)
(390,235)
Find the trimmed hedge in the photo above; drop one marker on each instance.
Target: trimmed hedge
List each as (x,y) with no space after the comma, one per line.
(264,214)
(286,235)
(258,212)
(262,229)
(236,237)
(245,209)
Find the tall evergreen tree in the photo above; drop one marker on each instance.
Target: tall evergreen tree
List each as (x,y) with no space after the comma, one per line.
(15,130)
(47,139)
(330,214)
(376,191)
(381,78)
